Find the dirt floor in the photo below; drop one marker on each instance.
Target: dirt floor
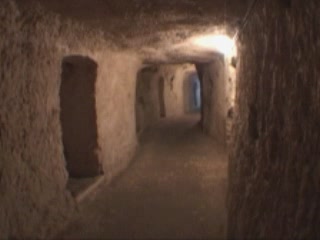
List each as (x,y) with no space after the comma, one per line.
(174,189)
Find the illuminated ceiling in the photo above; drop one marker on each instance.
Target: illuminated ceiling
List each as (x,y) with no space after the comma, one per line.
(156,28)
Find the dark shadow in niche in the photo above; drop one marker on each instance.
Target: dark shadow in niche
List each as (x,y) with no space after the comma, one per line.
(78,116)
(200,72)
(192,93)
(161,98)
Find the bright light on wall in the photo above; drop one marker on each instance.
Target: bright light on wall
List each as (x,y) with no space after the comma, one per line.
(219,43)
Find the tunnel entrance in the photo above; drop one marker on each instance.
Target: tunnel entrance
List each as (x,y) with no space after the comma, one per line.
(166,91)
(78,116)
(192,93)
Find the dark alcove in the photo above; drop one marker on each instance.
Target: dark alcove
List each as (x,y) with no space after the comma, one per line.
(78,116)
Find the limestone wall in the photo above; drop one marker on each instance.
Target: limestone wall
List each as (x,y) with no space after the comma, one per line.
(173,89)
(34,200)
(214,98)
(148,98)
(115,96)
(274,190)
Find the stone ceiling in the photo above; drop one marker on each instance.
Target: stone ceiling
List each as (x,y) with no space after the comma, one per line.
(150,25)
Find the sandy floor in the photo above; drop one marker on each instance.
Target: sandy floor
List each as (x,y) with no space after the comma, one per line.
(175,188)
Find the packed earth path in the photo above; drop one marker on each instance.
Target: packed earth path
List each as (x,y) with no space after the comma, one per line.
(175,188)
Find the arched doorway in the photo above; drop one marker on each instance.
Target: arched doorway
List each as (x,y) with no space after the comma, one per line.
(78,116)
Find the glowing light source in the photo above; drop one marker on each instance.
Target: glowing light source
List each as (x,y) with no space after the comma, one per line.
(219,43)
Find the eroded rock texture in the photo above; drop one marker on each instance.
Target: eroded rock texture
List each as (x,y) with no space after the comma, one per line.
(149,98)
(274,163)
(274,169)
(174,95)
(34,201)
(215,98)
(140,23)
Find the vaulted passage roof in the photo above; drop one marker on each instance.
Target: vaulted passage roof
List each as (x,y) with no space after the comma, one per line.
(135,22)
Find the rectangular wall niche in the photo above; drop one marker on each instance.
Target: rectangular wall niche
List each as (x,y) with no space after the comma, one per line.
(161,98)
(78,116)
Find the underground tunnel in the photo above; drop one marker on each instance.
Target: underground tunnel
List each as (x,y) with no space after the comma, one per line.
(143,119)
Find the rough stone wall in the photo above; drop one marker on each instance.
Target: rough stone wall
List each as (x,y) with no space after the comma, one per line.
(173,89)
(214,98)
(274,190)
(34,202)
(230,73)
(115,100)
(147,98)
(231,95)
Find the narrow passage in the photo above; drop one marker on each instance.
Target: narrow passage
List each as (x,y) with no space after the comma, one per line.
(174,188)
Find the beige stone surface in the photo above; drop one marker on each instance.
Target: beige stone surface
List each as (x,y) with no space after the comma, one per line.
(148,94)
(34,200)
(274,169)
(215,97)
(174,76)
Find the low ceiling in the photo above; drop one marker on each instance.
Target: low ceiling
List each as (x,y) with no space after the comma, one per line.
(154,27)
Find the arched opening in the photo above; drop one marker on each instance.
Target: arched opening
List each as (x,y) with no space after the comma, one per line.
(78,116)
(192,93)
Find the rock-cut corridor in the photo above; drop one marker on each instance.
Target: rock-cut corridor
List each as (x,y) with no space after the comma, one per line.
(153,119)
(174,188)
